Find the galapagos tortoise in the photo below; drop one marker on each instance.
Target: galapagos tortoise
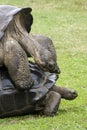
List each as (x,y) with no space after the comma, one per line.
(42,98)
(16,45)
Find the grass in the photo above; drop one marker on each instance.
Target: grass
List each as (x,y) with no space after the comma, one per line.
(65,22)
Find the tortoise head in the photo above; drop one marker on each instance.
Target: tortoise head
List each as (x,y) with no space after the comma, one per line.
(48,63)
(50,66)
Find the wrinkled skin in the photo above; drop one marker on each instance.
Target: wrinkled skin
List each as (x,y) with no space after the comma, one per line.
(66,93)
(41,48)
(17,45)
(50,103)
(47,105)
(48,58)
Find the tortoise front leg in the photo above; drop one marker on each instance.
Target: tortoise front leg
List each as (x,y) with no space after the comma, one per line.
(52,102)
(15,60)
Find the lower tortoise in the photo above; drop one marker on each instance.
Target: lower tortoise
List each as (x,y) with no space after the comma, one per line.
(42,98)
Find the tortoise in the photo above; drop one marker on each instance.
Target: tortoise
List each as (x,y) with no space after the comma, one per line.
(16,45)
(42,98)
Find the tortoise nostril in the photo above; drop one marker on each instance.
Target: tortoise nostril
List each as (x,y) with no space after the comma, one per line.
(57,71)
(74,92)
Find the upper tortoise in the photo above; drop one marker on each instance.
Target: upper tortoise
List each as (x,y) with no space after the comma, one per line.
(16,45)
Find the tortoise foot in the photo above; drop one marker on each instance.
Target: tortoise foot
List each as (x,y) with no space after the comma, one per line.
(52,103)
(25,87)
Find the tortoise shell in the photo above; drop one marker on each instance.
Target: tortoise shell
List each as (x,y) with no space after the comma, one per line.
(43,81)
(15,102)
(6,15)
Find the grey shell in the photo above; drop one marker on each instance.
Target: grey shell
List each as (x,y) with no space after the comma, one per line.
(43,81)
(15,102)
(7,13)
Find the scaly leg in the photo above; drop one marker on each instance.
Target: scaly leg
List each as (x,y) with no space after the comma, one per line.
(52,102)
(15,60)
(65,93)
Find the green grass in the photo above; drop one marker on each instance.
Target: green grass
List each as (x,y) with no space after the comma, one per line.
(65,22)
